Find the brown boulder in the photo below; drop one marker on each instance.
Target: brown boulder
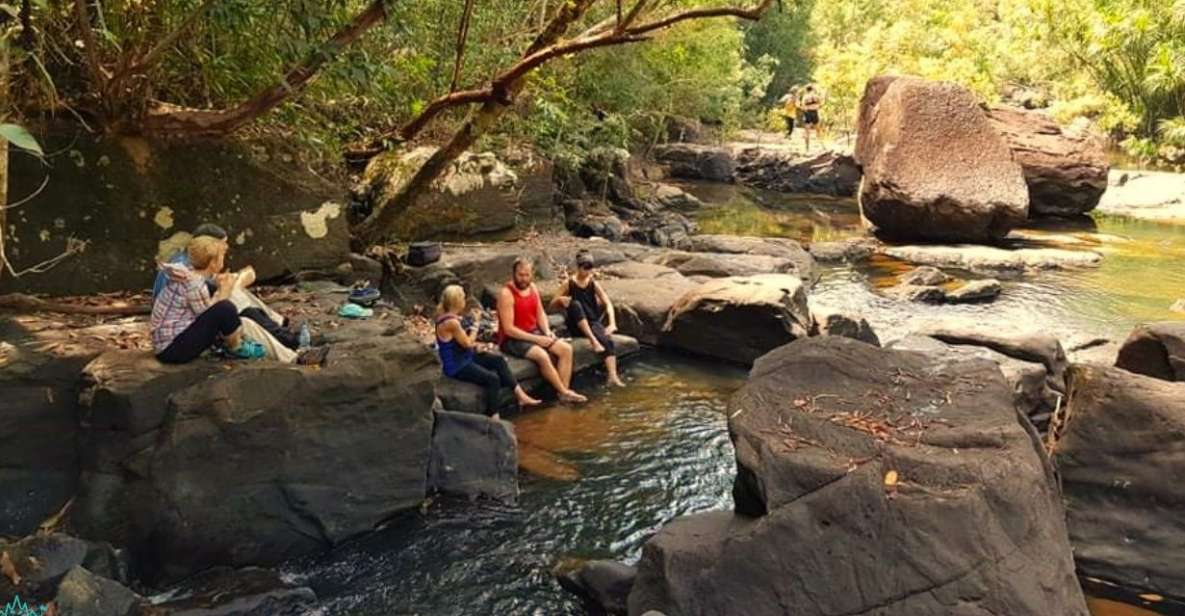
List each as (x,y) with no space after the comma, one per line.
(1156,350)
(934,168)
(1066,170)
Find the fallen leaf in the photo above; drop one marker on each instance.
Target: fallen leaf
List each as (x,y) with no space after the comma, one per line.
(891,479)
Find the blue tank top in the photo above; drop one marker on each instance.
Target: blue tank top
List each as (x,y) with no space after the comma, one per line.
(453,356)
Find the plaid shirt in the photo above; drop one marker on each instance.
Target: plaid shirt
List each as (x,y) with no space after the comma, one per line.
(184,297)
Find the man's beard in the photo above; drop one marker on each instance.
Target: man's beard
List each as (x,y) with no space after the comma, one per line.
(522,286)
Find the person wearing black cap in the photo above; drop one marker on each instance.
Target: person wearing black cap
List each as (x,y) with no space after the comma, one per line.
(586,306)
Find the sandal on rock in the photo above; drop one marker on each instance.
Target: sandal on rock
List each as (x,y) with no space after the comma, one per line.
(248,349)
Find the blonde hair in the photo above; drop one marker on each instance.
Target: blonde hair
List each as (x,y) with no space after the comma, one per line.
(203,250)
(452,298)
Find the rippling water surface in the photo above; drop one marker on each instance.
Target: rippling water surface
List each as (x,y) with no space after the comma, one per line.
(599,479)
(603,477)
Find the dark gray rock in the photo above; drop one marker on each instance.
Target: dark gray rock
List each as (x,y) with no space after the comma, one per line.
(242,592)
(850,457)
(675,198)
(39,562)
(854,250)
(462,397)
(738,319)
(824,173)
(83,593)
(643,304)
(721,265)
(1119,455)
(696,162)
(780,248)
(917,293)
(605,584)
(828,322)
(926,276)
(252,463)
(1156,350)
(473,456)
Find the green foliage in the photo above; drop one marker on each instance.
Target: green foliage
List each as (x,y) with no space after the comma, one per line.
(18,136)
(784,37)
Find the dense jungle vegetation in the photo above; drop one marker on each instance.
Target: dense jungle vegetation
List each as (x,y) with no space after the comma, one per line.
(357,71)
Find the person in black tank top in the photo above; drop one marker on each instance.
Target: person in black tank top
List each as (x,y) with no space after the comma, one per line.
(586,307)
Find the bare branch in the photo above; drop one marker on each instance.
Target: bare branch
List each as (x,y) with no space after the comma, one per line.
(438,106)
(462,36)
(86,34)
(754,13)
(165,43)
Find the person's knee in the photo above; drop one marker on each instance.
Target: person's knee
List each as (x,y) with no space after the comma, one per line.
(561,349)
(539,356)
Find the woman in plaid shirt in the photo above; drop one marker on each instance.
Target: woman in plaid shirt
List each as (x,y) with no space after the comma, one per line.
(186,320)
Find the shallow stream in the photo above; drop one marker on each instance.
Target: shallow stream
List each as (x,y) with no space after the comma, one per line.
(603,477)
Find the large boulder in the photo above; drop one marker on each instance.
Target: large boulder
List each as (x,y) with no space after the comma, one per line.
(722,264)
(604,584)
(825,173)
(782,248)
(134,201)
(1119,456)
(212,463)
(934,168)
(473,456)
(477,193)
(696,162)
(738,319)
(1065,169)
(851,458)
(643,304)
(1156,350)
(83,593)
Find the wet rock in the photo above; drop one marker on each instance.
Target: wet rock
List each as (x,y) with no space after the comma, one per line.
(917,293)
(824,173)
(605,584)
(975,291)
(662,229)
(1065,169)
(83,593)
(720,264)
(1156,350)
(675,198)
(683,130)
(643,304)
(241,592)
(473,456)
(934,167)
(991,259)
(1117,456)
(696,162)
(826,500)
(829,322)
(39,562)
(781,248)
(215,463)
(854,250)
(925,276)
(1028,345)
(740,318)
(477,193)
(468,398)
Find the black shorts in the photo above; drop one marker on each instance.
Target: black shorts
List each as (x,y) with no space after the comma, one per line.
(518,348)
(810,117)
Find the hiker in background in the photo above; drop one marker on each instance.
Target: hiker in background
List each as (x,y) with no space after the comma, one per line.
(810,104)
(463,358)
(586,307)
(187,320)
(523,331)
(790,110)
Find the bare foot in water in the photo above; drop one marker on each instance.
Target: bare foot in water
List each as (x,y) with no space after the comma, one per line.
(525,400)
(571,396)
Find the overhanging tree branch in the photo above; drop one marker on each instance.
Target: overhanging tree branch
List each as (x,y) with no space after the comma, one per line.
(173,121)
(496,98)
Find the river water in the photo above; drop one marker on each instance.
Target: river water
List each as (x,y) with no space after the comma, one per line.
(599,479)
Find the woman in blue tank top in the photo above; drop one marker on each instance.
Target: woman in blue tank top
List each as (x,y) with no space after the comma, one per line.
(465,359)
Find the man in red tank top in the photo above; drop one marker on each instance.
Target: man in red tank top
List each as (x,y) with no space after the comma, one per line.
(523,331)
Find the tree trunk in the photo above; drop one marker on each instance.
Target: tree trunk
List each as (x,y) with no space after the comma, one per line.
(3,157)
(374,228)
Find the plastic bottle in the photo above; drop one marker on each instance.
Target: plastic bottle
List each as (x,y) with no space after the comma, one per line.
(306,339)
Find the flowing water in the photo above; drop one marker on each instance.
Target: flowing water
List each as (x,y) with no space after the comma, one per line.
(601,478)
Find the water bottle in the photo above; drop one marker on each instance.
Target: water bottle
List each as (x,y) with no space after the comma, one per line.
(306,339)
